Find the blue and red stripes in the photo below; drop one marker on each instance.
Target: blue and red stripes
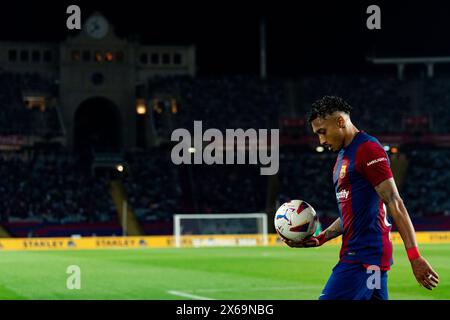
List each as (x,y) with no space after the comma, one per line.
(345,205)
(385,229)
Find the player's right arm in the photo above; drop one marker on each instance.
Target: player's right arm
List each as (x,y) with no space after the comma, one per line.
(333,231)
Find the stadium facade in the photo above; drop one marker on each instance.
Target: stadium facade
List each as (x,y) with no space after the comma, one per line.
(97,69)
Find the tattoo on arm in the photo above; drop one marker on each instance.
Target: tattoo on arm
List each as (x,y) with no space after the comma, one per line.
(334,230)
(387,191)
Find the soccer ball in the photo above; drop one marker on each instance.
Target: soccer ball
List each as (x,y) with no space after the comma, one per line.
(296,220)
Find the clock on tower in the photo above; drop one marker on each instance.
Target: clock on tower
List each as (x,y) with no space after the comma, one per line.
(96,27)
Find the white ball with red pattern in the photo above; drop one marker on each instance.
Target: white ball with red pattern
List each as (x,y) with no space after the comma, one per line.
(296,220)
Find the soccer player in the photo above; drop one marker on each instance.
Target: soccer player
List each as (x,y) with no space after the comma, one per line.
(364,186)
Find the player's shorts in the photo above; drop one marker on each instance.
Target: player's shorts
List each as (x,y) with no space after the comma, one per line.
(355,282)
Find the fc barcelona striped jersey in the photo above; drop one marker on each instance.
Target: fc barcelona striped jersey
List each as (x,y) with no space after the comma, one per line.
(359,168)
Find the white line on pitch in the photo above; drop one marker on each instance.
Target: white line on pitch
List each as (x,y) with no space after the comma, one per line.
(260,289)
(187,295)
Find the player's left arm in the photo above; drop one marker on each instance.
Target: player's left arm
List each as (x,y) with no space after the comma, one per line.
(424,273)
(373,164)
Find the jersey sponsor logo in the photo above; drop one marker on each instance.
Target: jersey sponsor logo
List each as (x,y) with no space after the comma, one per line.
(376,161)
(343,170)
(342,194)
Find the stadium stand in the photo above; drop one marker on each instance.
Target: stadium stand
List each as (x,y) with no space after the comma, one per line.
(223,102)
(19,116)
(152,185)
(48,192)
(225,190)
(436,102)
(46,186)
(426,187)
(369,95)
(308,175)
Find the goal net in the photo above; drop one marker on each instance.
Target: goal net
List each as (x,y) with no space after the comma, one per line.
(219,229)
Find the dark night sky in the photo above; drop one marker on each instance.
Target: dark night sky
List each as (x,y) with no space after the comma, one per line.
(301,37)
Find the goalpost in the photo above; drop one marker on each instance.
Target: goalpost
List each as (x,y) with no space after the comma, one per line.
(220,229)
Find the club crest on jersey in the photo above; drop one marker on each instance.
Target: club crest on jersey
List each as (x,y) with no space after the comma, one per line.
(343,171)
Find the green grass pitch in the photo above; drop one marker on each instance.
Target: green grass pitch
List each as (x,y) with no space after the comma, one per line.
(216,273)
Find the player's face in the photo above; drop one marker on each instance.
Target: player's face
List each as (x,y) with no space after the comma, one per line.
(331,135)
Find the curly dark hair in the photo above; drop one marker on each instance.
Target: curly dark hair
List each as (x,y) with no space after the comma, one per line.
(326,106)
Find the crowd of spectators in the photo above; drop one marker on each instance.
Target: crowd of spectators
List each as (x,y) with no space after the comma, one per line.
(436,100)
(18,118)
(223,102)
(383,102)
(31,82)
(229,188)
(14,117)
(379,102)
(157,188)
(426,190)
(152,184)
(50,186)
(308,176)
